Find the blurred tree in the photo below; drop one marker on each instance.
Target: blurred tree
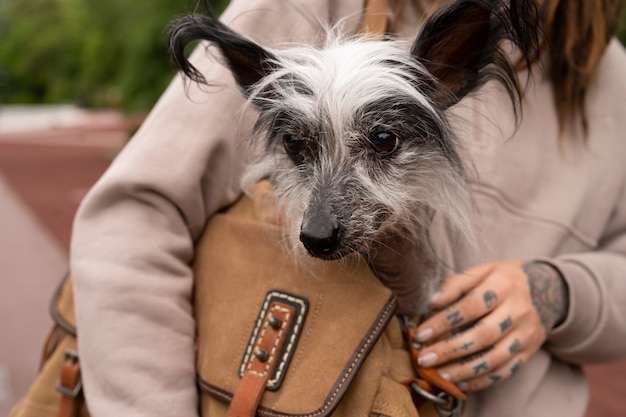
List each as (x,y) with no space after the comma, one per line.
(99,53)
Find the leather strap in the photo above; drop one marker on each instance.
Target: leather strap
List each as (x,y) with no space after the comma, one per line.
(51,342)
(70,385)
(375,18)
(265,355)
(430,375)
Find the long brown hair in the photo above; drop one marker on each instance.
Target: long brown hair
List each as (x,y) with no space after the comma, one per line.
(577,32)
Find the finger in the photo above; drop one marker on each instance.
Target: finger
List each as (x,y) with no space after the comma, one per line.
(504,372)
(483,362)
(473,306)
(482,335)
(455,286)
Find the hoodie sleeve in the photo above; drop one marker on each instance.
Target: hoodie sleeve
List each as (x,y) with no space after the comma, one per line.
(133,237)
(595,327)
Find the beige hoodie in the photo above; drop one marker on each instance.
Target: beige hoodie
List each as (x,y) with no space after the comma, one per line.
(536,198)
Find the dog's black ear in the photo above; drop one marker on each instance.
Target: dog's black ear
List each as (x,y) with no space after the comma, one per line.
(248,61)
(460,46)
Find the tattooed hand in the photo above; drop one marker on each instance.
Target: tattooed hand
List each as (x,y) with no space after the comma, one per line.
(498,314)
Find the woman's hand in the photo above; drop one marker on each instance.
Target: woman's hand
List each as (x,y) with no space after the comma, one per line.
(492,318)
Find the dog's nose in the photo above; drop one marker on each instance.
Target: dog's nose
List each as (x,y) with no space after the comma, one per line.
(320,234)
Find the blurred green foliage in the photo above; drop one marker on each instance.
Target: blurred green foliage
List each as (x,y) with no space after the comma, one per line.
(98,53)
(622,30)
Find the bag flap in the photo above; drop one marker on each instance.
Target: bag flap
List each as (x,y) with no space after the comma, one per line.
(240,261)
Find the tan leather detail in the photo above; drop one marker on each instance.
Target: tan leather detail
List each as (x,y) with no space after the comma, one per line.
(56,333)
(375,18)
(248,395)
(70,387)
(43,399)
(431,375)
(62,307)
(266,348)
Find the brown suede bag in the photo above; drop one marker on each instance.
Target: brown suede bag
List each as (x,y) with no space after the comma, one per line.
(337,349)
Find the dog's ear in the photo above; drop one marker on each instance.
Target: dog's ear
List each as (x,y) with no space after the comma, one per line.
(460,46)
(248,61)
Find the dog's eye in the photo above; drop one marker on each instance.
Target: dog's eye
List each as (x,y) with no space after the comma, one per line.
(384,143)
(293,145)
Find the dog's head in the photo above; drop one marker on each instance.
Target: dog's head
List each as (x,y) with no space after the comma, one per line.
(356,135)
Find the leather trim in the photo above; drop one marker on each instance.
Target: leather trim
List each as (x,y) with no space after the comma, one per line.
(375,21)
(342,382)
(70,385)
(263,357)
(63,322)
(301,307)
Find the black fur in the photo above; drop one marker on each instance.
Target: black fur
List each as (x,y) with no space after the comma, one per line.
(248,61)
(461,45)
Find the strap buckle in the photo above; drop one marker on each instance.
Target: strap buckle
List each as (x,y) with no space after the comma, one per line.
(446,396)
(446,405)
(452,408)
(71,364)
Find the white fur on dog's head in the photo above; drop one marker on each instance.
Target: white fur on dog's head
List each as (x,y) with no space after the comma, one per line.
(356,140)
(333,103)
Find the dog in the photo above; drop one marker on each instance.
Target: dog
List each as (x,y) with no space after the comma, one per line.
(355,135)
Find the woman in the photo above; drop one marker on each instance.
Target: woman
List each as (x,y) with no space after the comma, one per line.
(547,293)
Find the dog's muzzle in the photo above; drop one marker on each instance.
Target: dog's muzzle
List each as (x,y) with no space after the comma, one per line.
(320,234)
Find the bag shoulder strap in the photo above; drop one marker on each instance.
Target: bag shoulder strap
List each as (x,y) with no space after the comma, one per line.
(375,18)
(62,306)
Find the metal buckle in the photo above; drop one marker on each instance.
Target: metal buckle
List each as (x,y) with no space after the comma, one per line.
(70,355)
(431,397)
(452,408)
(445,404)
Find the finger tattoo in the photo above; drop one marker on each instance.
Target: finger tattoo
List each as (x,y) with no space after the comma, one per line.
(506,324)
(480,367)
(465,346)
(455,318)
(516,366)
(515,347)
(490,298)
(494,378)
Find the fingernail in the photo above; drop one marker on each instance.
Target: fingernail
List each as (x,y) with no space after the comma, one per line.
(424,335)
(435,296)
(427,359)
(463,386)
(446,376)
